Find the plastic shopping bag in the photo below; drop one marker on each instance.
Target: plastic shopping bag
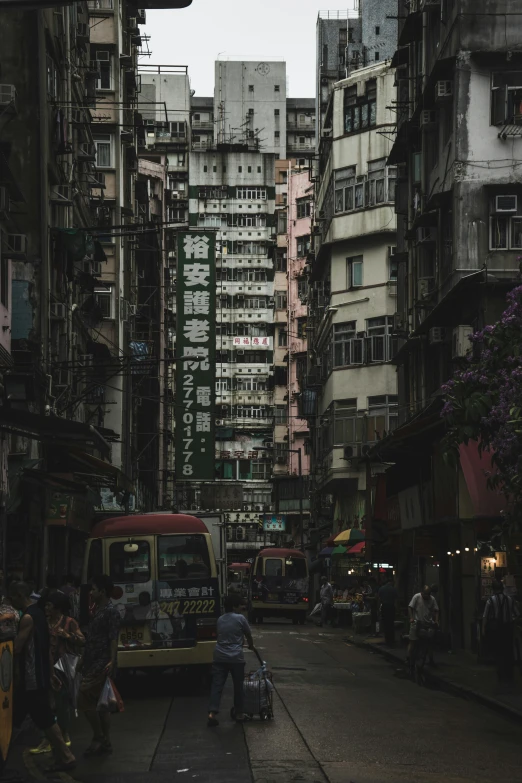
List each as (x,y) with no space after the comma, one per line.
(315,610)
(110,700)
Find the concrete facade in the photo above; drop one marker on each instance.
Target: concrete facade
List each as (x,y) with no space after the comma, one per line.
(352,296)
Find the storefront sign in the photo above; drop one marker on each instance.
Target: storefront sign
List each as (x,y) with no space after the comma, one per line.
(275,523)
(195,349)
(253,342)
(59,508)
(221,496)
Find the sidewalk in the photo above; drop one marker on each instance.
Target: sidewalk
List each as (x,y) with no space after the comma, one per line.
(458,673)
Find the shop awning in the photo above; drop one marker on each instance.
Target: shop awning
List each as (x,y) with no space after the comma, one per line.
(52,429)
(326,552)
(356,549)
(109,474)
(486,503)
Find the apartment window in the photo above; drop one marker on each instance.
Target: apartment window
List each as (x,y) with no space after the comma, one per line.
(347,348)
(347,427)
(303,208)
(107,5)
(302,289)
(277,134)
(177,184)
(282,338)
(250,194)
(240,169)
(283,177)
(281,264)
(251,412)
(354,272)
(382,416)
(255,303)
(53,78)
(280,414)
(301,328)
(250,88)
(180,160)
(259,169)
(505,230)
(178,130)
(377,30)
(276,112)
(378,331)
(360,112)
(344,188)
(506,98)
(280,300)
(104,297)
(222,385)
(104,63)
(376,56)
(282,221)
(176,215)
(251,384)
(276,88)
(393,266)
(303,245)
(261,469)
(105,219)
(197,117)
(103,144)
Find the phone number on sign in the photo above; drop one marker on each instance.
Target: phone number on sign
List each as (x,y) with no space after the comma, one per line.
(187,607)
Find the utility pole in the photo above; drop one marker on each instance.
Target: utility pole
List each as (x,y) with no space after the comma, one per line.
(300,478)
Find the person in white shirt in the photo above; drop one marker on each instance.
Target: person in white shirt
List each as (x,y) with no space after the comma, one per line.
(423,608)
(327,599)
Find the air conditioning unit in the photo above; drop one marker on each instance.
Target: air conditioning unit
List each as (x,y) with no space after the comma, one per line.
(150,123)
(7,94)
(240,533)
(425,286)
(443,89)
(428,117)
(281,460)
(506,203)
(259,507)
(366,448)
(353,451)
(460,344)
(58,311)
(268,444)
(17,243)
(103,55)
(5,201)
(436,335)
(220,422)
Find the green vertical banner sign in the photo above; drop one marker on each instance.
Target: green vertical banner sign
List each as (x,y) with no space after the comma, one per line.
(195,356)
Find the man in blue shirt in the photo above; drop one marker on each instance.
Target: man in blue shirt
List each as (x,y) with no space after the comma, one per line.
(232,629)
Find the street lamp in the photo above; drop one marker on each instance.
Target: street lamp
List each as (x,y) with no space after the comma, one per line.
(300,475)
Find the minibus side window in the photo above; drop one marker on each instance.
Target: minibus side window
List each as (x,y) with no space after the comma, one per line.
(95,560)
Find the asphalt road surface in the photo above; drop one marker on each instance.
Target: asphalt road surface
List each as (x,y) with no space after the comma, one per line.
(342,714)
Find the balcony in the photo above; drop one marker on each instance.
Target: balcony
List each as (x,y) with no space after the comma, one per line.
(202,125)
(203,144)
(293,124)
(296,146)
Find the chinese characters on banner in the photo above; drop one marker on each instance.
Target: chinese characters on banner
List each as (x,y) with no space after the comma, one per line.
(275,522)
(253,342)
(195,352)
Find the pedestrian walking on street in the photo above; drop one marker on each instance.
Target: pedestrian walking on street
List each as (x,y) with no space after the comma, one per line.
(66,637)
(32,645)
(498,628)
(232,629)
(423,609)
(99,662)
(327,600)
(388,597)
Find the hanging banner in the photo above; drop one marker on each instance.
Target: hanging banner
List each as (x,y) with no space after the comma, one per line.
(196,356)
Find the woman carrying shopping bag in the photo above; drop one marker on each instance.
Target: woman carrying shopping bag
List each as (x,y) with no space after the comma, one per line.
(66,637)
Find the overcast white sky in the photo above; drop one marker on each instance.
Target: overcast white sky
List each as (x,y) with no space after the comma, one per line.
(253,29)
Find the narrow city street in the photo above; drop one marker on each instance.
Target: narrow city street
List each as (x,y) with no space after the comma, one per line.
(342,714)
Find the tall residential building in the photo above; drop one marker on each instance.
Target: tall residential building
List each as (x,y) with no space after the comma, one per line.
(58,401)
(250,104)
(352,295)
(364,33)
(459,203)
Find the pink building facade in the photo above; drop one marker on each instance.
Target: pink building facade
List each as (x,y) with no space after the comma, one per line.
(299,229)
